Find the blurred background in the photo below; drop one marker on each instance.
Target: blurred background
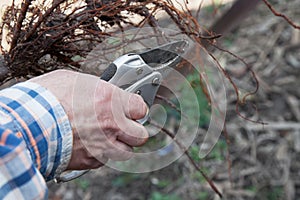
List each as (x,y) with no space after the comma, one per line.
(259,161)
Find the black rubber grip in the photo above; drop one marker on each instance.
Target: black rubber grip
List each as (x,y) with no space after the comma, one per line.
(109,72)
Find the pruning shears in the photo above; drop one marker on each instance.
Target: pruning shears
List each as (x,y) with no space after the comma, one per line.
(141,73)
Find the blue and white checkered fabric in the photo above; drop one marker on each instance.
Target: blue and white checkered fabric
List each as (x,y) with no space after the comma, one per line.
(35,141)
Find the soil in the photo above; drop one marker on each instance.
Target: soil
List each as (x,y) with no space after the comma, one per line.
(264,158)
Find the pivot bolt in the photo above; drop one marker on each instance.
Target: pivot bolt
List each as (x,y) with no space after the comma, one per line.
(155,81)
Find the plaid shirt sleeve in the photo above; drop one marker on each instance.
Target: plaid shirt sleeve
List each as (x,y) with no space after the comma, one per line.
(35,141)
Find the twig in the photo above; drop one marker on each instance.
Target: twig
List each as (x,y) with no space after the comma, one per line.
(185,151)
(199,9)
(275,126)
(235,89)
(271,126)
(206,37)
(171,104)
(42,18)
(248,68)
(276,13)
(17,28)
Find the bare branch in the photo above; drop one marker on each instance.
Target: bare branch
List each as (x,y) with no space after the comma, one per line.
(18,26)
(185,150)
(276,13)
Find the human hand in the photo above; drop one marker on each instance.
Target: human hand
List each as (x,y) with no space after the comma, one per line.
(102,117)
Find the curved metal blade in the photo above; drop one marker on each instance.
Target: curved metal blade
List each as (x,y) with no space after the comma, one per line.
(166,55)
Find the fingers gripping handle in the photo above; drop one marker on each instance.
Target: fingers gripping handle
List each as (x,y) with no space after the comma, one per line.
(145,84)
(147,87)
(70,175)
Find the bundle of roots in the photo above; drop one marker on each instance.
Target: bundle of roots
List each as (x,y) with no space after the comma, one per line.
(63,29)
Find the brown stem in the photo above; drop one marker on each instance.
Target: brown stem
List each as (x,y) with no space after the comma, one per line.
(206,37)
(276,13)
(170,103)
(185,151)
(43,18)
(17,29)
(236,89)
(248,68)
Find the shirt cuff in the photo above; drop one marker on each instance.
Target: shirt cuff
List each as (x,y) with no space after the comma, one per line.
(42,123)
